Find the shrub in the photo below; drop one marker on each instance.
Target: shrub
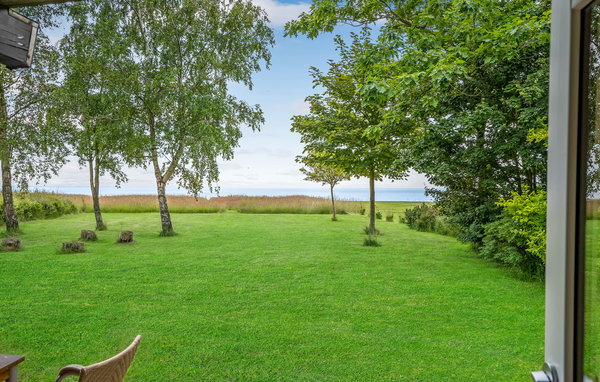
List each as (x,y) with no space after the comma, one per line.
(444,226)
(528,212)
(27,209)
(363,211)
(378,215)
(401,219)
(518,238)
(503,244)
(30,206)
(368,231)
(371,241)
(389,218)
(422,217)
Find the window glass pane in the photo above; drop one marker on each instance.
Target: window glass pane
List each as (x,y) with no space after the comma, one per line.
(591,355)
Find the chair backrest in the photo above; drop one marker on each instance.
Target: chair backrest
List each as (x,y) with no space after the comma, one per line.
(113,369)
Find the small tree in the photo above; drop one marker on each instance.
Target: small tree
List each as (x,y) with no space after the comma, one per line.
(338,131)
(325,175)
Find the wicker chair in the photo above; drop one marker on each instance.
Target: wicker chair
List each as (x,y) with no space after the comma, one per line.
(111,370)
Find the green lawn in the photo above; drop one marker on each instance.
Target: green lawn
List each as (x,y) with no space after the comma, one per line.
(265,298)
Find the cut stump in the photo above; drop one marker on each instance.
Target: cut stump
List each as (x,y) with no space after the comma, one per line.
(11,244)
(88,235)
(73,247)
(126,237)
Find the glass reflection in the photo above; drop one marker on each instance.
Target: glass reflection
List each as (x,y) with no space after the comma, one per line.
(591,355)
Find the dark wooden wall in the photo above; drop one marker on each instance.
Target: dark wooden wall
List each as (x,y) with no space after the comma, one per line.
(15,38)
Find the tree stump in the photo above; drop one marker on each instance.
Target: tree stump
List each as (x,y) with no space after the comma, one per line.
(73,247)
(11,244)
(126,237)
(88,235)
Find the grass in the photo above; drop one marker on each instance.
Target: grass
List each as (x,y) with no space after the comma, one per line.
(395,208)
(265,298)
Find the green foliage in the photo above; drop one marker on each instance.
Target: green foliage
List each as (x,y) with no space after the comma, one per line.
(371,241)
(378,215)
(40,206)
(528,212)
(500,243)
(389,217)
(470,80)
(371,232)
(445,226)
(175,64)
(336,131)
(518,238)
(326,175)
(421,217)
(428,218)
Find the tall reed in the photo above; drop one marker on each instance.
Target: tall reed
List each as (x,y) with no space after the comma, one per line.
(297,204)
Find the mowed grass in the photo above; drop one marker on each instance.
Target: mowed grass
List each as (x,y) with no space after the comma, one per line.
(396,208)
(266,298)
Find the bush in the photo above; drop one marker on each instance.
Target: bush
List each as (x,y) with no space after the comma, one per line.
(528,213)
(363,211)
(518,238)
(369,231)
(502,243)
(378,215)
(444,226)
(389,218)
(31,206)
(422,217)
(27,209)
(371,241)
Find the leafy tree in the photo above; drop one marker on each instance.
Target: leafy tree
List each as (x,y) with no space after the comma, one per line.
(182,56)
(336,131)
(472,79)
(91,94)
(32,135)
(325,175)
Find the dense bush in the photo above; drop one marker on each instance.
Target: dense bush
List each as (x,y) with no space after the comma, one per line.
(428,218)
(518,238)
(528,212)
(40,206)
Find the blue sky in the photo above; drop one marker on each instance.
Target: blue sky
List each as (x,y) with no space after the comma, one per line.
(265,159)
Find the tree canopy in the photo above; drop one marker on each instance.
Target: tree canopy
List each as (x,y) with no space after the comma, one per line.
(471,80)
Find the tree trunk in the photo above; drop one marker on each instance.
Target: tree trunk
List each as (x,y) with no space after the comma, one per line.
(165,216)
(95,186)
(372,201)
(334,218)
(10,216)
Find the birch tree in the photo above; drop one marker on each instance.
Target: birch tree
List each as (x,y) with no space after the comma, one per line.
(32,135)
(183,56)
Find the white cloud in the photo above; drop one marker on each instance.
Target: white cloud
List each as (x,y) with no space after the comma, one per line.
(280,13)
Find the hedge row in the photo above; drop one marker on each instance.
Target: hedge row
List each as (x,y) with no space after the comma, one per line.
(39,206)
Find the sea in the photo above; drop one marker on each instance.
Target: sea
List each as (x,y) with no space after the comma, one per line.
(386,194)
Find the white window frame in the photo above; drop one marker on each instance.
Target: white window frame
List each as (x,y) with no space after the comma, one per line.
(564,302)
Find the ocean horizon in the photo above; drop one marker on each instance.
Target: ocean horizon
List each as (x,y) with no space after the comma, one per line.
(384,194)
